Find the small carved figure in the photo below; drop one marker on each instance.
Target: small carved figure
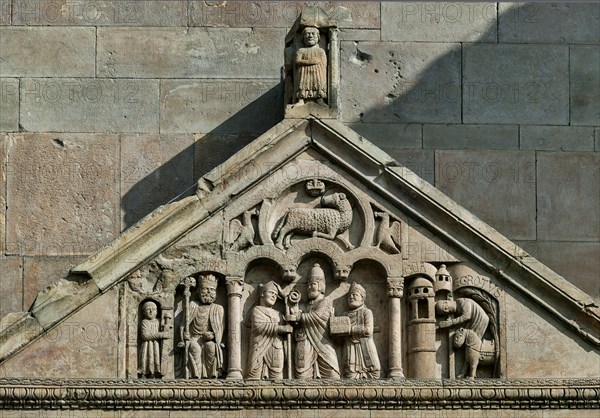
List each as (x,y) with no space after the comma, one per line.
(327,222)
(242,233)
(315,354)
(387,236)
(289,272)
(150,352)
(477,351)
(469,313)
(267,351)
(310,69)
(204,335)
(360,354)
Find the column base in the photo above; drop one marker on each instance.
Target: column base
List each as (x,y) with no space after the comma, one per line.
(234,374)
(396,374)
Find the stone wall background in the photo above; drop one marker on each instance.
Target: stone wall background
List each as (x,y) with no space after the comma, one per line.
(111,108)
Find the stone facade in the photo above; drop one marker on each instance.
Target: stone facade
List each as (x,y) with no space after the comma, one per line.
(104,117)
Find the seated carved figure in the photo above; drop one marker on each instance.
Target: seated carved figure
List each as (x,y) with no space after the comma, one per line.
(205,335)
(267,351)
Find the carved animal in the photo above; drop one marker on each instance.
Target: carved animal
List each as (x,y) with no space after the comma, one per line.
(387,236)
(327,222)
(242,233)
(477,351)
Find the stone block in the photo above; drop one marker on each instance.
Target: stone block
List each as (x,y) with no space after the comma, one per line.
(9,104)
(11,284)
(213,149)
(47,52)
(510,84)
(100,13)
(390,135)
(89,105)
(40,272)
(471,136)
(496,186)
(360,35)
(578,262)
(597,139)
(540,22)
(438,22)
(420,162)
(155,169)
(568,196)
(16,330)
(5,12)
(63,191)
(190,52)
(220,106)
(82,346)
(400,82)
(557,138)
(281,14)
(585,84)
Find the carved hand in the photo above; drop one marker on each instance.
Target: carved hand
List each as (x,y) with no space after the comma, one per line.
(444,324)
(286,329)
(186,336)
(208,336)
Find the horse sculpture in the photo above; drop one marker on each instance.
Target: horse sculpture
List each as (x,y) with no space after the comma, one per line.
(477,351)
(327,222)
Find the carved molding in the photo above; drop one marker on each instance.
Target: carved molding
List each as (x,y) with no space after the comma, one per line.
(211,394)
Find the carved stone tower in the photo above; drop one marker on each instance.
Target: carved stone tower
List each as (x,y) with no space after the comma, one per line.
(421,329)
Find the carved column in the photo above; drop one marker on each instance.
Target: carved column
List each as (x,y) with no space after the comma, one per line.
(235,285)
(395,287)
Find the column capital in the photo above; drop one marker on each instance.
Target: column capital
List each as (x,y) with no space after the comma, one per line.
(235,285)
(395,287)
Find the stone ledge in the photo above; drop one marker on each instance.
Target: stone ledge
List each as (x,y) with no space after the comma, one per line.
(296,394)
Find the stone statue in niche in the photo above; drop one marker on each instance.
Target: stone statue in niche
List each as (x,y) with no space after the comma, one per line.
(387,235)
(202,332)
(328,222)
(267,330)
(310,69)
(315,355)
(241,233)
(476,313)
(150,354)
(360,359)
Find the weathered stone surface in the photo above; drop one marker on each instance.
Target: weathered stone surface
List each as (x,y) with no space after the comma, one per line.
(11,272)
(89,105)
(577,262)
(4,144)
(47,52)
(16,330)
(438,22)
(189,52)
(5,15)
(210,150)
(471,136)
(281,14)
(407,82)
(564,210)
(154,170)
(585,84)
(9,104)
(79,208)
(84,345)
(360,35)
(516,84)
(219,106)
(498,186)
(100,13)
(597,139)
(420,162)
(556,138)
(549,22)
(390,135)
(40,272)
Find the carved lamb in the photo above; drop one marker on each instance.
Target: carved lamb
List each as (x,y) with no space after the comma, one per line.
(327,222)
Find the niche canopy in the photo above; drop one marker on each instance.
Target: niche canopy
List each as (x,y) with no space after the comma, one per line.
(311,254)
